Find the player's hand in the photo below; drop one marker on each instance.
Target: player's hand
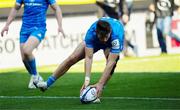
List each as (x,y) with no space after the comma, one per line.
(82,88)
(5,29)
(125,18)
(152,7)
(86,83)
(99,88)
(60,30)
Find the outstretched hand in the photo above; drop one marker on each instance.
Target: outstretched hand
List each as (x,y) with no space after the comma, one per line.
(125,18)
(5,29)
(86,83)
(99,88)
(60,30)
(82,88)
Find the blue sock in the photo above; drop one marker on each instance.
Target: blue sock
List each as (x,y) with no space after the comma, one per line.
(31,66)
(50,81)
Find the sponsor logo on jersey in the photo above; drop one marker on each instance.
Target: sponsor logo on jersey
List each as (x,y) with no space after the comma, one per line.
(115,44)
(32,3)
(39,35)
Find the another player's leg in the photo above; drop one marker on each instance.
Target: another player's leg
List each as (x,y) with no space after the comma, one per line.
(161,40)
(77,55)
(29,59)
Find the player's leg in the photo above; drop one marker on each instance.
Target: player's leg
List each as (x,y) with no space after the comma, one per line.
(28,44)
(27,55)
(110,11)
(77,55)
(159,27)
(166,30)
(28,58)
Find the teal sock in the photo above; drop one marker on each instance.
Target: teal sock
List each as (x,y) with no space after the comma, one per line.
(31,66)
(50,81)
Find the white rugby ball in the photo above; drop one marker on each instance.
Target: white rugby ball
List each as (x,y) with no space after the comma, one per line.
(88,95)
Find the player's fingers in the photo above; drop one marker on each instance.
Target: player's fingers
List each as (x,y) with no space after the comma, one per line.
(2,33)
(6,31)
(93,85)
(99,92)
(60,30)
(81,91)
(63,34)
(83,87)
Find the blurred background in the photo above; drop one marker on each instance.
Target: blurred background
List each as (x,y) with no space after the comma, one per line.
(145,77)
(140,40)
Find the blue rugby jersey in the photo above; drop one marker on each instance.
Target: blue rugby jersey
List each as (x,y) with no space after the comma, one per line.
(35,12)
(115,42)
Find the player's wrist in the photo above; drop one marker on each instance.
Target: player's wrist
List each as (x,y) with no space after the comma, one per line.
(101,83)
(7,25)
(87,80)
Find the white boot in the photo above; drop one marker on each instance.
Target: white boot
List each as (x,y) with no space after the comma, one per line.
(41,85)
(97,101)
(34,79)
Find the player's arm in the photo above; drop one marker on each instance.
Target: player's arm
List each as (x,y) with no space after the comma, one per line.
(112,60)
(58,14)
(111,63)
(152,6)
(88,64)
(11,17)
(89,50)
(123,11)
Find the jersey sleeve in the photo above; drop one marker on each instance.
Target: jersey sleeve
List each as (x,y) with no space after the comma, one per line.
(51,2)
(89,36)
(89,39)
(117,41)
(117,45)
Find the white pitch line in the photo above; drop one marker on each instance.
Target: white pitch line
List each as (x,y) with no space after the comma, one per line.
(114,98)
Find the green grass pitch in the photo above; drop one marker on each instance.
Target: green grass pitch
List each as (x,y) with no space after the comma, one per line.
(138,83)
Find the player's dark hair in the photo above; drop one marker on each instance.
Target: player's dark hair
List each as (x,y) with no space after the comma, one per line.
(103,28)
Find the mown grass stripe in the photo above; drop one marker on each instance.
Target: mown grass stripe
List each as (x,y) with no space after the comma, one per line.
(71,97)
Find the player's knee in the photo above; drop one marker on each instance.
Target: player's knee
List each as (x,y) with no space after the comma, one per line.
(26,52)
(22,57)
(72,59)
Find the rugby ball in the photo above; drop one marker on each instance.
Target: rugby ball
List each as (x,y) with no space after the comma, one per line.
(88,95)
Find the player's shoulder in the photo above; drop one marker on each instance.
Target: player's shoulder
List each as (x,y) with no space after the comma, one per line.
(91,32)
